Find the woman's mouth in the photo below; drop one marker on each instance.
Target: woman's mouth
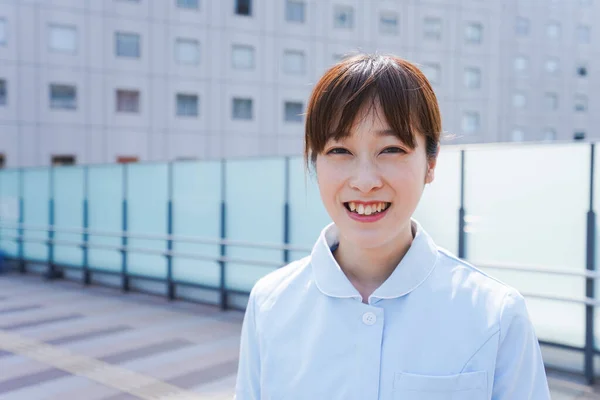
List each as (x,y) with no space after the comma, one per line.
(367,213)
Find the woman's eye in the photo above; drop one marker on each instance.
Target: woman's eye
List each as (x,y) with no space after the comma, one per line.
(394,150)
(337,150)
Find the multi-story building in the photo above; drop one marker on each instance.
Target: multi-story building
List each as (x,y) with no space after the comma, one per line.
(90,81)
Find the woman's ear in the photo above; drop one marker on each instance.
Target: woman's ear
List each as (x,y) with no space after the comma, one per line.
(431,164)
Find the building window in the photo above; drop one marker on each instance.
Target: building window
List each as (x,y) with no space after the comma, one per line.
(127,159)
(242,56)
(128,101)
(63,160)
(295,11)
(388,23)
(243,7)
(2,160)
(519,100)
(294,62)
(521,63)
(517,135)
(551,66)
(62,38)
(431,72)
(343,17)
(128,44)
(470,122)
(432,28)
(581,103)
(553,30)
(242,109)
(192,4)
(187,105)
(551,101)
(579,135)
(473,33)
(522,26)
(187,51)
(583,34)
(63,97)
(582,71)
(2,32)
(549,135)
(3,92)
(293,111)
(472,78)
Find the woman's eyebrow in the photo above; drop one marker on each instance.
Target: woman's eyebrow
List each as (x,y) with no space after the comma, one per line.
(385,132)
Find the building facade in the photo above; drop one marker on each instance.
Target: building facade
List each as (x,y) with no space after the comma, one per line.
(88,81)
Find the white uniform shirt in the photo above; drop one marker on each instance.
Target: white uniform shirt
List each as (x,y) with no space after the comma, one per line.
(436,329)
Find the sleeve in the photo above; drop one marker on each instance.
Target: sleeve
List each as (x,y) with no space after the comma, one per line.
(248,377)
(519,372)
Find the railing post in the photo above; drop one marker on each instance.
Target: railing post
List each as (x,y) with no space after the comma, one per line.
(462,239)
(124,273)
(20,242)
(87,276)
(223,284)
(52,272)
(590,349)
(170,283)
(286,212)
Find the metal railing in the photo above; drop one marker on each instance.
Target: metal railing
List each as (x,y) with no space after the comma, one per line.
(21,229)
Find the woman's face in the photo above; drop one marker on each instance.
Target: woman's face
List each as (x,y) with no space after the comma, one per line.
(368,171)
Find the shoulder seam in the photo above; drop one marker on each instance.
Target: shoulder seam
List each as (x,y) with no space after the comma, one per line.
(469,265)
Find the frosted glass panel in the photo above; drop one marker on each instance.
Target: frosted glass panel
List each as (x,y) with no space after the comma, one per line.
(308,216)
(105,196)
(147,199)
(68,213)
(596,206)
(437,211)
(196,212)
(255,195)
(527,205)
(9,211)
(36,194)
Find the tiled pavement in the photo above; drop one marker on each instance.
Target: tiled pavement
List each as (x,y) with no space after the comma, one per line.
(60,341)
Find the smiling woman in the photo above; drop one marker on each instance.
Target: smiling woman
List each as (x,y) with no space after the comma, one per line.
(378,311)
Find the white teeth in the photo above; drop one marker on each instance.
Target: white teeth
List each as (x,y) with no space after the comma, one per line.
(369,209)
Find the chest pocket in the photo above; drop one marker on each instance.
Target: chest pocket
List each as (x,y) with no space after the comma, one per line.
(466,386)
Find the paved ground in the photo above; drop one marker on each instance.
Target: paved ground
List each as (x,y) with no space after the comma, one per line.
(60,341)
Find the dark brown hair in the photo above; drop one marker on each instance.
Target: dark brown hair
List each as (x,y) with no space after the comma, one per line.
(406,97)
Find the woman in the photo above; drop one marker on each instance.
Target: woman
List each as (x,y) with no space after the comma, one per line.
(378,311)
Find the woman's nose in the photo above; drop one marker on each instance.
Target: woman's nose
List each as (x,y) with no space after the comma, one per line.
(365,178)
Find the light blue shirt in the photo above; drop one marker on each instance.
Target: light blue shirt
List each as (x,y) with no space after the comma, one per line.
(436,329)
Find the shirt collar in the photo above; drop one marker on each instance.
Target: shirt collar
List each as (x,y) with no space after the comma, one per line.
(413,269)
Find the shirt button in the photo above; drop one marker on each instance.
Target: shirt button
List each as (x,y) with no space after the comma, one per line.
(369,318)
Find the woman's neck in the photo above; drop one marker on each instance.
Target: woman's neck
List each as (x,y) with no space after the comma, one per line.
(367,269)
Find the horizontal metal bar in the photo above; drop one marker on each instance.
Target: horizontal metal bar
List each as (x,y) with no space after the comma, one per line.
(196,256)
(562,346)
(145,250)
(564,299)
(536,269)
(147,236)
